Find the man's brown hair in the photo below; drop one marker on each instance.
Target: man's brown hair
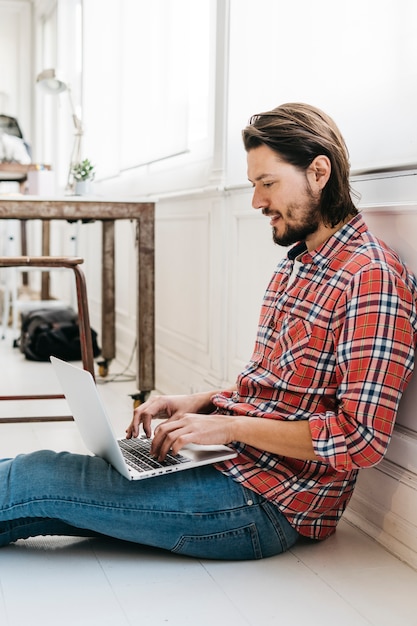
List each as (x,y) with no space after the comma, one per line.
(299,133)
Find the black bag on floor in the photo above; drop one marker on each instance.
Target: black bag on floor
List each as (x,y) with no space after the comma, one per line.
(52,332)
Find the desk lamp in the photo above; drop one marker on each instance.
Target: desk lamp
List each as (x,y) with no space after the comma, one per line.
(51,84)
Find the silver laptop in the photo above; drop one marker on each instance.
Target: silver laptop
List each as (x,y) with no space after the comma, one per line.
(130,457)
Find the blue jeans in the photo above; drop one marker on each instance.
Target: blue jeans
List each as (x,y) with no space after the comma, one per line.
(197,512)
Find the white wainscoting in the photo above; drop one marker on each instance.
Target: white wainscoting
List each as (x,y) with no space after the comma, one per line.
(384,506)
(184,293)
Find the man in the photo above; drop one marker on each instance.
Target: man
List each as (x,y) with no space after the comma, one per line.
(317,401)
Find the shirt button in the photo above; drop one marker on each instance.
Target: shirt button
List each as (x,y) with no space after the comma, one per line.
(249,502)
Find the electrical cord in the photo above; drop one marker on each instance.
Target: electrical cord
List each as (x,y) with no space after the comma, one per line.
(121,377)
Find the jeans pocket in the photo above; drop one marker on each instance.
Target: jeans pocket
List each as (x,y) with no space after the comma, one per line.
(237,544)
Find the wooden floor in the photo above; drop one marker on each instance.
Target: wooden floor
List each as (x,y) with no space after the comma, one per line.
(348,580)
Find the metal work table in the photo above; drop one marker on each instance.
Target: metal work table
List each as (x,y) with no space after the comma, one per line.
(106,211)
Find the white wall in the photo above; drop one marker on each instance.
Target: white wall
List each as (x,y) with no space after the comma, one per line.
(356,59)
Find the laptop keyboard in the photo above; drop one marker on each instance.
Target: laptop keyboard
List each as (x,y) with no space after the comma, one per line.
(136,453)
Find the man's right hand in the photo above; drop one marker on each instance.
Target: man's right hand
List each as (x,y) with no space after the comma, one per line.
(167,407)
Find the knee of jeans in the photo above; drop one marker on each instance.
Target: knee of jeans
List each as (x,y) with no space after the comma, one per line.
(236,544)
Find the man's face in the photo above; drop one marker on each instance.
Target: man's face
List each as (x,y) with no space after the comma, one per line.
(286,195)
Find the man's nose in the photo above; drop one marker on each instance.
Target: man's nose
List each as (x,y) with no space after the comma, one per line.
(258,200)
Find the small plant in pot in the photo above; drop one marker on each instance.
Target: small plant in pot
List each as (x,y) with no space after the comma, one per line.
(83,173)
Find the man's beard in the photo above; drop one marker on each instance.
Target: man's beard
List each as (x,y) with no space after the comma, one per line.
(299,232)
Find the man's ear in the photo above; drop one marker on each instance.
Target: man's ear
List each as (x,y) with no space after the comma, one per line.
(320,170)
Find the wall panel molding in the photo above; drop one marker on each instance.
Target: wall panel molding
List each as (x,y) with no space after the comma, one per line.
(384,506)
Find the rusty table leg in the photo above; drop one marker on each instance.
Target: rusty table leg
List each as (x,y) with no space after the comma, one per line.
(146,302)
(108,311)
(24,248)
(46,248)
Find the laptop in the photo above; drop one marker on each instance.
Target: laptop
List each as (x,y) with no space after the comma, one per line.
(130,457)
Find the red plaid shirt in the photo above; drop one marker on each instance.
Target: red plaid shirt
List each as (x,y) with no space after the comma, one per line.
(336,347)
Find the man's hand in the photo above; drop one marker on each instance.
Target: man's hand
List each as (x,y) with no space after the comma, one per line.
(167,407)
(190,419)
(172,435)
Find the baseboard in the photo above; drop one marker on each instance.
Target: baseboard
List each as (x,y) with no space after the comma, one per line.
(403,552)
(384,507)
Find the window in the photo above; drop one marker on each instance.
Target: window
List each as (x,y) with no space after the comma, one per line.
(146,80)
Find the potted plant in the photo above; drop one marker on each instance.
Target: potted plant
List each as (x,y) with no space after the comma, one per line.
(83,173)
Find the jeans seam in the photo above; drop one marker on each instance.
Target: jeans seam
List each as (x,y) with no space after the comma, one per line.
(266,506)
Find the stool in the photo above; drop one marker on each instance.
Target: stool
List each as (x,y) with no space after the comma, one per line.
(87,355)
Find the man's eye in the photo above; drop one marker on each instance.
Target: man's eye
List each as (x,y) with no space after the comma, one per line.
(268,184)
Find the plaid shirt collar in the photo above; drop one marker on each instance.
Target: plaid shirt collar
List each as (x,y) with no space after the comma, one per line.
(330,248)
